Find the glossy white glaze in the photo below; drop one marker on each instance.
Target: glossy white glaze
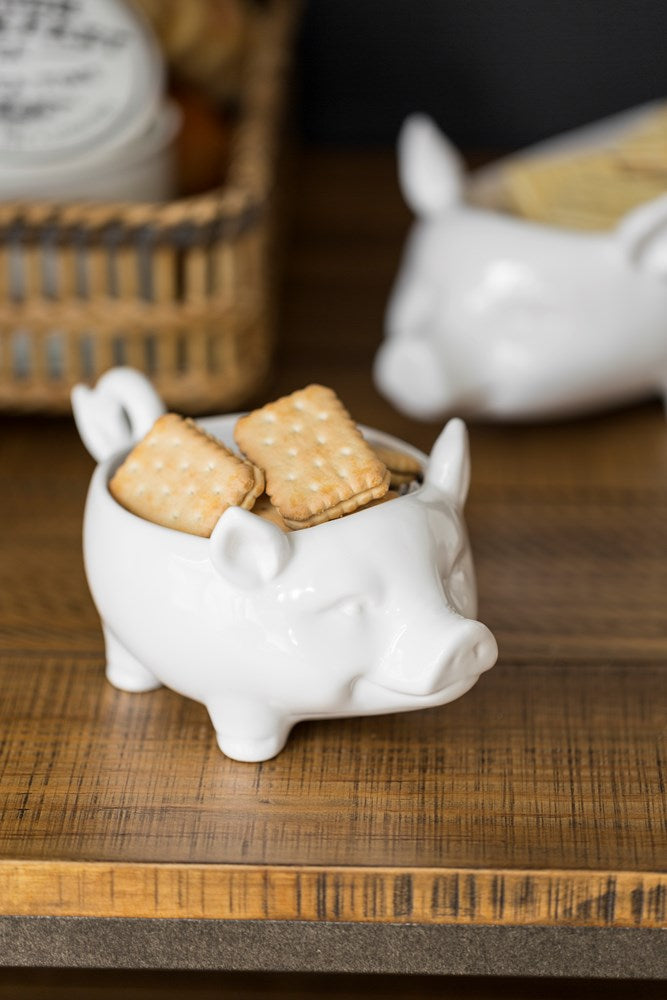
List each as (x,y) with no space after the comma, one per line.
(495,316)
(368,614)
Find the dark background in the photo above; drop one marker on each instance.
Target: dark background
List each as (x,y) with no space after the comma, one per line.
(495,74)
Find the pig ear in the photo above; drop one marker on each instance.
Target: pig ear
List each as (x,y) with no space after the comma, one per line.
(643,236)
(430,169)
(247,550)
(449,464)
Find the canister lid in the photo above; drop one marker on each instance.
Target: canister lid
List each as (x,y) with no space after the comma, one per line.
(78,78)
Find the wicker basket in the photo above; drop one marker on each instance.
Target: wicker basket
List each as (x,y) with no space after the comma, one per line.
(182,291)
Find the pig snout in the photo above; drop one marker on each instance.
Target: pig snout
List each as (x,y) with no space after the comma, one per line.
(446,650)
(409,374)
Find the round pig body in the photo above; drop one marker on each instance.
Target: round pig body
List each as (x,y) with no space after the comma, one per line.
(498,317)
(367,614)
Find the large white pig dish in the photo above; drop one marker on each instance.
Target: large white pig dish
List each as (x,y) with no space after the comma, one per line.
(368,614)
(497,317)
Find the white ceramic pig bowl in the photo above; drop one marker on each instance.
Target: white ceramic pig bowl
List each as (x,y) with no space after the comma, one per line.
(496,317)
(367,614)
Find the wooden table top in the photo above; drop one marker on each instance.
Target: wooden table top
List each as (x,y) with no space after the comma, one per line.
(538,798)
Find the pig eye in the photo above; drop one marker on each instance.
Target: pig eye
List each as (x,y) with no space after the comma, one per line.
(351,607)
(358,604)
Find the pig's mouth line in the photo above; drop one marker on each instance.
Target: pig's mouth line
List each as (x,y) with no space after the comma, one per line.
(469,679)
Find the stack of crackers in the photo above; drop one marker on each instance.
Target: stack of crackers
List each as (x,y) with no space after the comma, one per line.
(593,190)
(304,461)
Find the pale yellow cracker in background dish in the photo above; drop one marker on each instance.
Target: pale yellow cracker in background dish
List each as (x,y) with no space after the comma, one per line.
(645,146)
(599,191)
(317,464)
(589,191)
(403,468)
(181,477)
(532,186)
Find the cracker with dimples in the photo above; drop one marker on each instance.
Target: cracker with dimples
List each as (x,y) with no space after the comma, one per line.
(316,462)
(181,477)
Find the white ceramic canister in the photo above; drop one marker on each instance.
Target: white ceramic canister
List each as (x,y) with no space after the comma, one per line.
(82,112)
(142,170)
(77,78)
(82,117)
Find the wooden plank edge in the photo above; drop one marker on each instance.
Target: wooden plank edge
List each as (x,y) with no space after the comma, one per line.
(426,896)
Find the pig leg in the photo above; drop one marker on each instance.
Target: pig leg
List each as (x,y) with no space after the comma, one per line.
(248,730)
(123,669)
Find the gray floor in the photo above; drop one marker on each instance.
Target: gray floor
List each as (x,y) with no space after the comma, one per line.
(76,942)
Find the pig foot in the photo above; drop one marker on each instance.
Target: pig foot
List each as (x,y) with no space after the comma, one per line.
(124,670)
(248,731)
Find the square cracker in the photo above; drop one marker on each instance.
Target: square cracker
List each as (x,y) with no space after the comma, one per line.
(181,477)
(317,464)
(265,509)
(403,468)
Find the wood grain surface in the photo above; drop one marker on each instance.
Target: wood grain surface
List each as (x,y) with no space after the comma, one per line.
(537,798)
